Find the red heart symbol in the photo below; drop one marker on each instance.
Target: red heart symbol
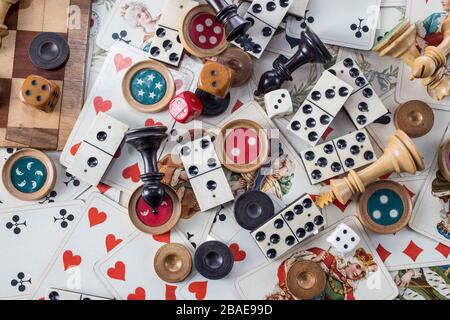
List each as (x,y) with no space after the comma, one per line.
(199,288)
(132,172)
(118,271)
(164,238)
(111,242)
(96,217)
(139,294)
(70,260)
(103,188)
(236,106)
(102,106)
(238,255)
(74,149)
(121,62)
(170,292)
(151,123)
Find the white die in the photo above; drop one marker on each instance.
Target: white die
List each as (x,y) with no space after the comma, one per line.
(278,103)
(344,239)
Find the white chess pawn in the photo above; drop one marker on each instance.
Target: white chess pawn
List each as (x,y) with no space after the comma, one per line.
(4,8)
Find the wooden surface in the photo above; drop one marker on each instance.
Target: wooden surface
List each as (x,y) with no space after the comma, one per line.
(22,125)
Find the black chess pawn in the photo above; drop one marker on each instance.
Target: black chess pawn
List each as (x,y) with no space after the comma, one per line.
(310,50)
(226,14)
(147,141)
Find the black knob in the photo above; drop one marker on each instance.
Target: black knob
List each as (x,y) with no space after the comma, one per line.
(227,15)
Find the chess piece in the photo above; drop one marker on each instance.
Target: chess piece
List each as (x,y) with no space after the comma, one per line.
(399,156)
(227,15)
(5,5)
(401,43)
(444,160)
(147,141)
(40,93)
(310,50)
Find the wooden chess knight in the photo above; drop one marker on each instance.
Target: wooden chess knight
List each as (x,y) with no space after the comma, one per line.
(430,67)
(5,5)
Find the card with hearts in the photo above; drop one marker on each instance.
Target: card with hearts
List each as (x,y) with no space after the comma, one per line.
(104,189)
(106,96)
(359,275)
(30,236)
(128,271)
(103,225)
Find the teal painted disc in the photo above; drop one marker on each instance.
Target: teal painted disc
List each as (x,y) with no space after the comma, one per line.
(148,87)
(28,175)
(385,207)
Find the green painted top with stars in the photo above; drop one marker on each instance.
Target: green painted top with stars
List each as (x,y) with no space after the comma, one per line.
(148,87)
(28,175)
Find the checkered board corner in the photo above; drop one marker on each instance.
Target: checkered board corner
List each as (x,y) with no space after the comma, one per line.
(22,125)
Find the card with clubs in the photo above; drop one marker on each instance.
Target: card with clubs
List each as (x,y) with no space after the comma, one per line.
(30,236)
(64,295)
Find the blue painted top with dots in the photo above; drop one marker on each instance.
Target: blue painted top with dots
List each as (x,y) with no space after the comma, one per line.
(148,87)
(28,175)
(385,207)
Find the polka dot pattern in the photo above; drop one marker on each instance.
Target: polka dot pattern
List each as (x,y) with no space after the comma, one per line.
(204,32)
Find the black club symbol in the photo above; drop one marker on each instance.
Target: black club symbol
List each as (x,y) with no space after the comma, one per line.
(15,224)
(49,198)
(359,28)
(65,218)
(121,36)
(306,20)
(72,180)
(20,282)
(190,236)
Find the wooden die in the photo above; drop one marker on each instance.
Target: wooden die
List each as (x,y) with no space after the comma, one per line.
(215,79)
(40,93)
(185,107)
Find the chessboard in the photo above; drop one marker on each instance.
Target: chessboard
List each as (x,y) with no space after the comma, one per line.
(22,125)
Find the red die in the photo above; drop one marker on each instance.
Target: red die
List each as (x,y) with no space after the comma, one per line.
(185,107)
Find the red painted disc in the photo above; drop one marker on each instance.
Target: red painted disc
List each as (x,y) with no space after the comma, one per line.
(242,145)
(205,32)
(145,212)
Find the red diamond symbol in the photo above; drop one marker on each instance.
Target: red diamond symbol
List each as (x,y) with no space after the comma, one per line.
(411,194)
(382,252)
(341,206)
(412,250)
(443,249)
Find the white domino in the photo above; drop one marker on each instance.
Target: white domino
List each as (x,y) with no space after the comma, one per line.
(320,108)
(278,103)
(355,150)
(64,295)
(364,106)
(265,16)
(98,149)
(295,223)
(205,173)
(344,239)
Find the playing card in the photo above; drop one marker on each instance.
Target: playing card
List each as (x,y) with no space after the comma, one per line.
(131,22)
(106,96)
(102,188)
(59,294)
(346,23)
(30,236)
(197,227)
(128,270)
(428,17)
(360,275)
(103,225)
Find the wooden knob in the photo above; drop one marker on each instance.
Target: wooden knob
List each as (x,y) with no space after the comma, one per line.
(173,263)
(240,64)
(306,280)
(444,160)
(415,118)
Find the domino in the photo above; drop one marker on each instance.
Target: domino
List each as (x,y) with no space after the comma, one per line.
(344,239)
(98,149)
(336,157)
(265,16)
(205,173)
(364,106)
(59,294)
(320,108)
(278,103)
(294,224)
(166,45)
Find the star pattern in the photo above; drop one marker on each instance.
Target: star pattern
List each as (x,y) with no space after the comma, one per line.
(148,87)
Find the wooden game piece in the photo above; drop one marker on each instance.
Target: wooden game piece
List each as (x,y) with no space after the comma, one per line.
(98,149)
(212,105)
(311,50)
(185,107)
(306,280)
(48,51)
(205,173)
(400,43)
(148,86)
(264,17)
(200,34)
(320,108)
(399,156)
(341,155)
(40,93)
(29,175)
(227,15)
(213,260)
(363,106)
(252,209)
(173,263)
(297,222)
(344,239)
(215,79)
(278,103)
(151,220)
(243,146)
(5,5)
(385,207)
(444,160)
(240,64)
(415,118)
